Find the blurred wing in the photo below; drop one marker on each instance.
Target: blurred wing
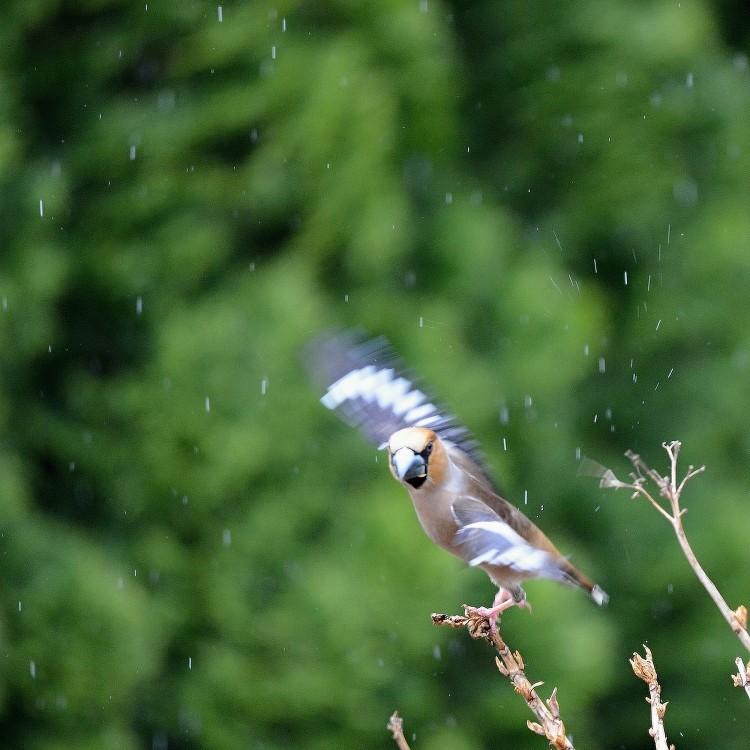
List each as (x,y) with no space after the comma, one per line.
(369,388)
(590,468)
(485,538)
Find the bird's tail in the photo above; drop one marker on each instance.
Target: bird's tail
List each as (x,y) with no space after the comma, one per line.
(574,577)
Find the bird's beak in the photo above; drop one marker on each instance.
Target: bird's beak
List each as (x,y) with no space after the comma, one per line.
(408,465)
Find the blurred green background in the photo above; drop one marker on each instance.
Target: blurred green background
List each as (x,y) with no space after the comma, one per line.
(546,207)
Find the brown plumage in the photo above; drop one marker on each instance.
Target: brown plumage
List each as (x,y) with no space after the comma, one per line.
(439,465)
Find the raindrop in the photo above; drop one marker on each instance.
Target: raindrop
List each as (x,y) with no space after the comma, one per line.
(20,606)
(132,153)
(139,306)
(32,669)
(190,662)
(449,198)
(525,497)
(273,52)
(557,240)
(670,373)
(595,271)
(220,13)
(658,323)
(436,652)
(602,365)
(421,322)
(208,404)
(505,445)
(626,278)
(41,207)
(263,386)
(283,24)
(226,537)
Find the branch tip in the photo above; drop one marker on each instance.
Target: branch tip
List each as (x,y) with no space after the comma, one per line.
(396,727)
(742,678)
(645,669)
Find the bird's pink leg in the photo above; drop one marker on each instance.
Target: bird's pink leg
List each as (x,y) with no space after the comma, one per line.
(503,600)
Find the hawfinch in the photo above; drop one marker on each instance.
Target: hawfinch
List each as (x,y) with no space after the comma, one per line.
(439,464)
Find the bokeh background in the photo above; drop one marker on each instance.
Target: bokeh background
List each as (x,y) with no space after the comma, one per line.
(546,207)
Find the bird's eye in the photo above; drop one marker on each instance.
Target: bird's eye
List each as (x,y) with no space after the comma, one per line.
(427,449)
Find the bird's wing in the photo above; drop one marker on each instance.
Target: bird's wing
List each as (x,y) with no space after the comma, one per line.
(485,539)
(369,388)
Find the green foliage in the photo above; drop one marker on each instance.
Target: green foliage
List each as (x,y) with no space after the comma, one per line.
(544,206)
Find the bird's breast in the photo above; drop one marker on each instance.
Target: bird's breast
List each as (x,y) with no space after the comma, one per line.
(433,504)
(434,513)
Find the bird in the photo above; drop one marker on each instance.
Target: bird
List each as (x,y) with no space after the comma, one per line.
(440,465)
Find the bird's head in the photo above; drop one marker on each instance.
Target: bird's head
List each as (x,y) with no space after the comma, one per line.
(415,454)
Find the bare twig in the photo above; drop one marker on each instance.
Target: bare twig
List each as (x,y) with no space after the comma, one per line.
(510,664)
(742,678)
(396,727)
(645,669)
(670,489)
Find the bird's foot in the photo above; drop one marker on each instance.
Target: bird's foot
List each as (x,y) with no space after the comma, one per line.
(503,600)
